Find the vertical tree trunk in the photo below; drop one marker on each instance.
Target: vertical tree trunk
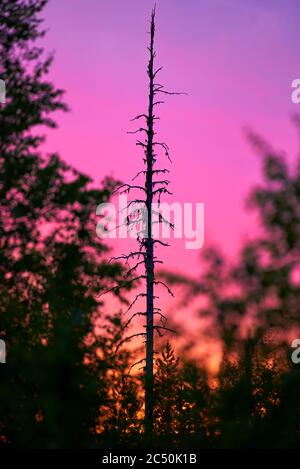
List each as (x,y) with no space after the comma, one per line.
(152,187)
(149,242)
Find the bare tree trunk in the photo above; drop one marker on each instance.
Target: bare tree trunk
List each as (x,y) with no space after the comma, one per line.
(151,188)
(149,242)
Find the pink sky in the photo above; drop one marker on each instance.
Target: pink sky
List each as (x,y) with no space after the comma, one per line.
(235,59)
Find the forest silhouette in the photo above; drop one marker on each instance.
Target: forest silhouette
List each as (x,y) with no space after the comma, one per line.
(64,384)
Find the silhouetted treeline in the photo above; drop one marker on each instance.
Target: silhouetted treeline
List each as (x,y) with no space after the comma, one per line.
(251,307)
(51,262)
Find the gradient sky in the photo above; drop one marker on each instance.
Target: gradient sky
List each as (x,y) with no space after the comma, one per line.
(235,59)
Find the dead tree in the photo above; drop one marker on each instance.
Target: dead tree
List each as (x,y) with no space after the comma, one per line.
(153,187)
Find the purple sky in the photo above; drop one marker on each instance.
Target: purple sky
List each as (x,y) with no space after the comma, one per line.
(235,58)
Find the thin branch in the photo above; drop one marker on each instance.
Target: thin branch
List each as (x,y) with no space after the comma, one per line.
(164,329)
(158,241)
(141,129)
(126,257)
(161,190)
(171,93)
(139,313)
(157,71)
(139,116)
(129,187)
(127,339)
(157,171)
(132,269)
(120,285)
(135,364)
(139,295)
(162,181)
(138,174)
(136,201)
(159,282)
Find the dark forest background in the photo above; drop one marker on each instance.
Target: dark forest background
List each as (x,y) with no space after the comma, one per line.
(64,385)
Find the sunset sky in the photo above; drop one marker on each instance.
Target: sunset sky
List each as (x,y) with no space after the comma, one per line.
(235,59)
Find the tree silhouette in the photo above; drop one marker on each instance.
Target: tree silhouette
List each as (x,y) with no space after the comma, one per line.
(51,262)
(142,211)
(251,307)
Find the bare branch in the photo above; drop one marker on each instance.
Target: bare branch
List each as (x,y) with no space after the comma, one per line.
(161,190)
(139,116)
(162,316)
(132,269)
(159,328)
(157,71)
(132,317)
(126,257)
(141,129)
(157,262)
(139,295)
(135,364)
(157,171)
(159,282)
(162,219)
(120,285)
(135,201)
(163,181)
(158,241)
(129,187)
(172,93)
(127,339)
(165,147)
(163,144)
(138,174)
